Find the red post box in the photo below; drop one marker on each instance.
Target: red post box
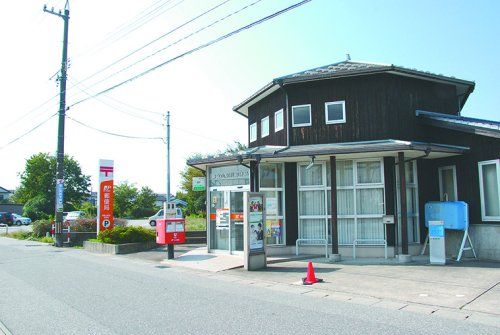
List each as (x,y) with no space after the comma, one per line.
(170,231)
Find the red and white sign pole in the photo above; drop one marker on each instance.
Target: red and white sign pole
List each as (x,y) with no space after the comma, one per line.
(105,219)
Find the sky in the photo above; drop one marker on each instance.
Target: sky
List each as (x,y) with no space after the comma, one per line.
(453,38)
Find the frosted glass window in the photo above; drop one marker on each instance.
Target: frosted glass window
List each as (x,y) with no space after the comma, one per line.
(369,172)
(253,132)
(489,187)
(264,127)
(278,120)
(312,176)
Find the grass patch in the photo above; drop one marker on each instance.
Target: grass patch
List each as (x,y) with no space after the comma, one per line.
(195,224)
(27,235)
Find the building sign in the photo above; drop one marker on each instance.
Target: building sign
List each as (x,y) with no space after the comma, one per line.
(105,202)
(60,195)
(256,222)
(229,175)
(199,184)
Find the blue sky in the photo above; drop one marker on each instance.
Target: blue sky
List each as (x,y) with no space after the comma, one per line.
(454,38)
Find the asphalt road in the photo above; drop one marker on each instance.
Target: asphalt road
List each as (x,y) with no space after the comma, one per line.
(68,291)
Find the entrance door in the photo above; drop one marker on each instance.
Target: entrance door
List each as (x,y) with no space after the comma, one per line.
(226,221)
(236,221)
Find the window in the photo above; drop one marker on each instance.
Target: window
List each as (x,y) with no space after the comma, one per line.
(301,115)
(360,201)
(335,112)
(489,187)
(412,211)
(271,184)
(253,132)
(278,120)
(448,183)
(264,127)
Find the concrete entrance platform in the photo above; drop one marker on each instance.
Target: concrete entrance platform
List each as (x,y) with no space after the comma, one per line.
(200,259)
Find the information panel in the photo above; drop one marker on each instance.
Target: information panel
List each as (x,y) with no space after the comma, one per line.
(254,231)
(105,202)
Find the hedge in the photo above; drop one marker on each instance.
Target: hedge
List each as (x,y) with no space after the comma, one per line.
(119,235)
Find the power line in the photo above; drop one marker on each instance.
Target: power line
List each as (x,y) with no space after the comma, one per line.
(29,131)
(114,134)
(77,85)
(157,39)
(174,43)
(223,37)
(198,135)
(30,111)
(109,39)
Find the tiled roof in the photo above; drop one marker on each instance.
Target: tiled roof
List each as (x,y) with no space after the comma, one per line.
(353,68)
(339,68)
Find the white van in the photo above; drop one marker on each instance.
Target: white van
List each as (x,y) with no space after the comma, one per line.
(171,213)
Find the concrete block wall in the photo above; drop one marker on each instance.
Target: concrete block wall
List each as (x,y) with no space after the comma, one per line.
(485,238)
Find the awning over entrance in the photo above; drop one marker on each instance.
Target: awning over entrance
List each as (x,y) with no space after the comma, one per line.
(347,150)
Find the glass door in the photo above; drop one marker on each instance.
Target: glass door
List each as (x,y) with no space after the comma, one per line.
(219,221)
(236,221)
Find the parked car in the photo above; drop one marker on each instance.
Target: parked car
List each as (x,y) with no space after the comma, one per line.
(73,216)
(159,215)
(20,220)
(6,218)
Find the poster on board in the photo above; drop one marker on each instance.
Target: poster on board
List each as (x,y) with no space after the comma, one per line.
(256,222)
(222,218)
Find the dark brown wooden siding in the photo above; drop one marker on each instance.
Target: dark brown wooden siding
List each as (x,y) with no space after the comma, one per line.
(377,107)
(267,107)
(482,148)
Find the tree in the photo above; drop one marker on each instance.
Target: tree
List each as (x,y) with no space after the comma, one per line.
(145,203)
(196,200)
(38,183)
(124,197)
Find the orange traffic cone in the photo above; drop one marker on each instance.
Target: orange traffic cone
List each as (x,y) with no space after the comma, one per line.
(311,278)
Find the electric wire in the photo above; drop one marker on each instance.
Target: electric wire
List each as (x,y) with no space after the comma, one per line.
(30,111)
(200,47)
(157,39)
(111,133)
(106,42)
(85,90)
(173,43)
(29,131)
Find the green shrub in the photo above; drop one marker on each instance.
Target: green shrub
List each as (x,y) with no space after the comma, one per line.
(119,235)
(47,240)
(20,235)
(41,228)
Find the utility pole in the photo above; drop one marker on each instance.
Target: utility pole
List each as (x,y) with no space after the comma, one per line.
(59,208)
(170,247)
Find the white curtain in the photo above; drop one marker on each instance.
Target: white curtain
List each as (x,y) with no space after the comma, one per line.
(370,201)
(312,203)
(370,229)
(346,231)
(312,176)
(312,228)
(369,172)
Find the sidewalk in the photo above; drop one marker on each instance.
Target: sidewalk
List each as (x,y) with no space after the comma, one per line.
(469,290)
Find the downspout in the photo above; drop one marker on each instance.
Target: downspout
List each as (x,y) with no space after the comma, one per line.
(280,84)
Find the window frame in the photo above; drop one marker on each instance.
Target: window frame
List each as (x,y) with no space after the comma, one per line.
(276,128)
(253,125)
(340,102)
(302,124)
(480,164)
(281,189)
(453,168)
(262,127)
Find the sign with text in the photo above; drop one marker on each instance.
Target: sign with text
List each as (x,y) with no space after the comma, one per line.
(199,184)
(60,195)
(105,203)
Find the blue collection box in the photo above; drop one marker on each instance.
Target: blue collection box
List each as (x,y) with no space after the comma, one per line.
(454,214)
